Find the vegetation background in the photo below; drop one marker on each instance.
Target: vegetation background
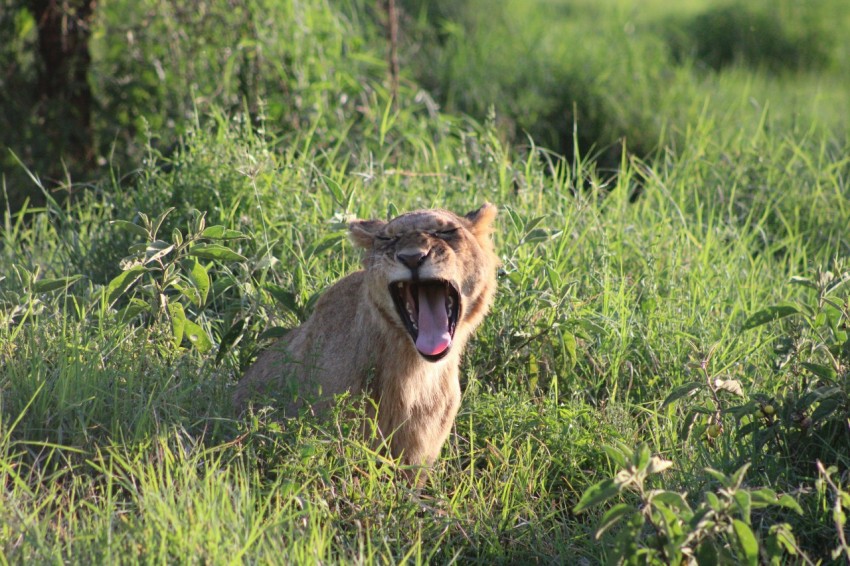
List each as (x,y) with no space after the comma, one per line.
(664,377)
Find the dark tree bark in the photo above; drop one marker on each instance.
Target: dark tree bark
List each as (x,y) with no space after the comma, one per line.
(64,94)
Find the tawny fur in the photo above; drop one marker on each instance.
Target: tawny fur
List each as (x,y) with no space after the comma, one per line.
(355,340)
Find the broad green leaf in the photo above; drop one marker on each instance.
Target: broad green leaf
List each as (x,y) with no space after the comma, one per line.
(620,454)
(769,315)
(48,285)
(335,190)
(197,337)
(178,321)
(670,498)
(119,285)
(157,250)
(612,517)
(159,220)
(789,502)
(218,232)
(642,457)
(763,497)
(596,494)
(826,408)
(737,476)
(215,251)
(824,372)
(199,277)
(568,341)
(784,537)
(681,391)
(747,542)
(133,309)
(742,498)
(130,227)
(713,501)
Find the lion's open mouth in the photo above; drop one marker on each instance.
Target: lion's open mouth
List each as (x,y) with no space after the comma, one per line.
(429,310)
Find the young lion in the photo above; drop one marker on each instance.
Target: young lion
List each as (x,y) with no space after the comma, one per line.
(395,329)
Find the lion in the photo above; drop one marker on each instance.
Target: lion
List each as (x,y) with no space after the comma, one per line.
(394,330)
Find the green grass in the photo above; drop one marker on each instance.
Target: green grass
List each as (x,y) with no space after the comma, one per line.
(119,445)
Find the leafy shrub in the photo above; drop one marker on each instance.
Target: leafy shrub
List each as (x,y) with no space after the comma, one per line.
(788,36)
(663,527)
(542,76)
(806,420)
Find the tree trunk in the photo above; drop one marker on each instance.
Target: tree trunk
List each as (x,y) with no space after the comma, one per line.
(64,93)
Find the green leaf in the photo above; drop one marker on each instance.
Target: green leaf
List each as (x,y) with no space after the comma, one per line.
(218,232)
(197,337)
(620,454)
(229,338)
(747,542)
(596,494)
(713,501)
(763,497)
(568,341)
(130,227)
(742,498)
(199,277)
(119,285)
(681,391)
(215,251)
(49,285)
(670,498)
(156,250)
(159,220)
(178,321)
(612,517)
(335,190)
(133,309)
(642,458)
(783,536)
(789,502)
(769,315)
(824,372)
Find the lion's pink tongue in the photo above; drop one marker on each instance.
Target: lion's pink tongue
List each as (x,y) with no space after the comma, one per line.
(434,336)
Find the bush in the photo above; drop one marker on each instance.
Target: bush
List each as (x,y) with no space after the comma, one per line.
(787,36)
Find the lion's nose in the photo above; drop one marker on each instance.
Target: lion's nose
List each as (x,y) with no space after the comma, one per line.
(412,258)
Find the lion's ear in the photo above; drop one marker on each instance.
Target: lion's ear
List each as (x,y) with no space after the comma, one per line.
(363,232)
(481,220)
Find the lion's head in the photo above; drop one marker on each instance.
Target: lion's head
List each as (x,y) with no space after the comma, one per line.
(431,273)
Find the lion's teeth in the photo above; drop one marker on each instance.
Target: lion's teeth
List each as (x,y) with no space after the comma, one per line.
(415,326)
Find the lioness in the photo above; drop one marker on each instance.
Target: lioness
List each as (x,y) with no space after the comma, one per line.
(395,329)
